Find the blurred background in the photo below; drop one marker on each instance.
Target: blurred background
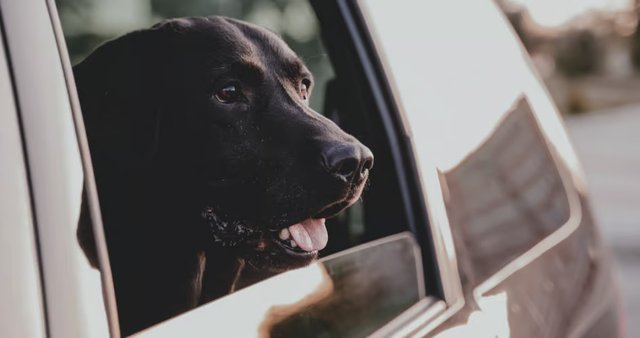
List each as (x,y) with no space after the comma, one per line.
(88,23)
(586,51)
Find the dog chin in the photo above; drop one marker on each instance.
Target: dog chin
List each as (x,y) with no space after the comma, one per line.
(278,259)
(277,263)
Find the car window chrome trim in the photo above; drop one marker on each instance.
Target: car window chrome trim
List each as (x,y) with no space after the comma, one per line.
(425,312)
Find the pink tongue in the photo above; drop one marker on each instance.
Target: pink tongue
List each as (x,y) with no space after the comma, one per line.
(310,234)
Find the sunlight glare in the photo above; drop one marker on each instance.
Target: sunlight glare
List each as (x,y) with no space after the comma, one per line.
(252,311)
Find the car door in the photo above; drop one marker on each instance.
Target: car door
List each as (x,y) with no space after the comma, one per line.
(423,261)
(22,306)
(498,170)
(374,271)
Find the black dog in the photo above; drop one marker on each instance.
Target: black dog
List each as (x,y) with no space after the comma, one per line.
(212,170)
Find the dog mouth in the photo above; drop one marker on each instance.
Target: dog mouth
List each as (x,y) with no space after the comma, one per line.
(306,237)
(310,235)
(300,237)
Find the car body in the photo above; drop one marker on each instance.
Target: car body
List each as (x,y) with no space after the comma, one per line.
(497,238)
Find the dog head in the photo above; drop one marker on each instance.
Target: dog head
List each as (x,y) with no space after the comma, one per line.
(216,112)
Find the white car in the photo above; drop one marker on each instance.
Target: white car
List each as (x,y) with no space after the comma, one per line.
(476,223)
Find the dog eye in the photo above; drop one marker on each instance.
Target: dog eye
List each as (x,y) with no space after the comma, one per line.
(229,93)
(304,88)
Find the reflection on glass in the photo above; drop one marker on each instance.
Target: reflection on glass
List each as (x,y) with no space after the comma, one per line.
(373,283)
(505,196)
(252,311)
(349,294)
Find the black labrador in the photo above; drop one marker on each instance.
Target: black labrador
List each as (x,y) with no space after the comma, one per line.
(212,170)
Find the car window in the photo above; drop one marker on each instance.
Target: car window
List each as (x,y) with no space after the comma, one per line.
(369,250)
(370,296)
(343,295)
(474,109)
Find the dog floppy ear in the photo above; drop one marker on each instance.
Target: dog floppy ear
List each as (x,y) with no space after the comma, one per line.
(120,91)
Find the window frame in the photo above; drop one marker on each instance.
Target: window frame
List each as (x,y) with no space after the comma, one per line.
(431,225)
(56,159)
(340,15)
(435,241)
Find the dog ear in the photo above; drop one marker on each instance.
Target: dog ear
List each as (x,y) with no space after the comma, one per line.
(120,91)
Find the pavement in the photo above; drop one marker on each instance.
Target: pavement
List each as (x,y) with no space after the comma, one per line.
(608,144)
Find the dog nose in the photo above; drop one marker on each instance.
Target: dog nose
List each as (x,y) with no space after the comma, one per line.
(348,162)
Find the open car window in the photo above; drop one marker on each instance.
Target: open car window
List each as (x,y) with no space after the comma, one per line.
(373,266)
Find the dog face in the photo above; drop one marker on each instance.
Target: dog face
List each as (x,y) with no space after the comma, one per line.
(217,112)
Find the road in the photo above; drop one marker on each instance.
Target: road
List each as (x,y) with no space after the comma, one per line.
(608,143)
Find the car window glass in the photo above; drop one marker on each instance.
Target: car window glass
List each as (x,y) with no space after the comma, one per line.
(337,95)
(474,112)
(343,295)
(363,291)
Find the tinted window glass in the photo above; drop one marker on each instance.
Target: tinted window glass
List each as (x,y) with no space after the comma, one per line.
(372,284)
(343,295)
